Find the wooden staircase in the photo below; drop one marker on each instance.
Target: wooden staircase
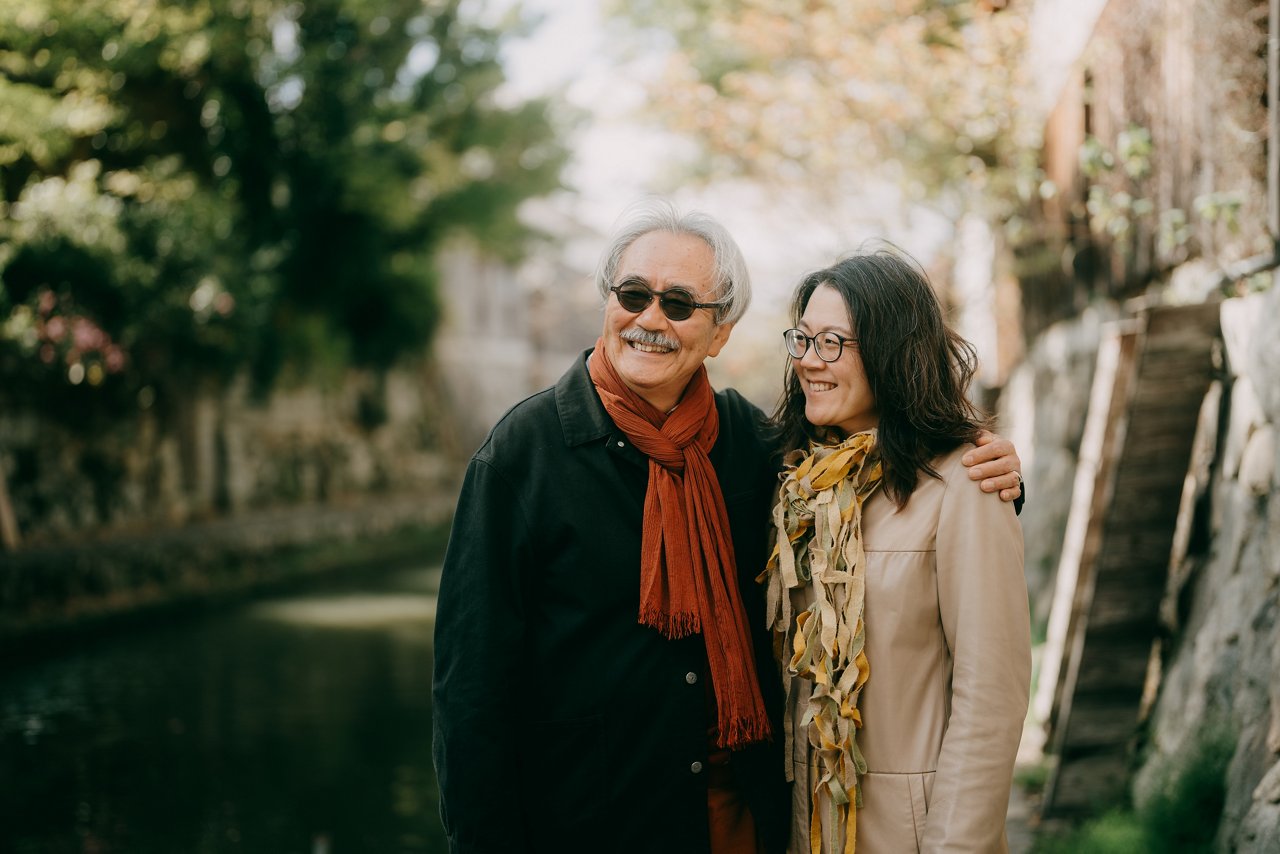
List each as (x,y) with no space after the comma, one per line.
(1152,376)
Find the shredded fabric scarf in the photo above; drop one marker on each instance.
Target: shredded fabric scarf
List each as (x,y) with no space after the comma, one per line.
(818,546)
(688,575)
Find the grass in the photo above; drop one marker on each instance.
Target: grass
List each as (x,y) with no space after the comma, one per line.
(1181,814)
(1116,832)
(1032,778)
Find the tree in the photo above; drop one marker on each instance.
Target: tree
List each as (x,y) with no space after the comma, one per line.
(830,94)
(193,189)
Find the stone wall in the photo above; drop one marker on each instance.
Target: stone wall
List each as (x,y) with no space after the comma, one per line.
(1177,91)
(1220,662)
(1216,666)
(218,451)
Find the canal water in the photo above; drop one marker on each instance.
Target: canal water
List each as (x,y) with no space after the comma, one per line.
(296,724)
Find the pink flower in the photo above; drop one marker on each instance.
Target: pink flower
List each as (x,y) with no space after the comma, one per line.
(55,328)
(86,334)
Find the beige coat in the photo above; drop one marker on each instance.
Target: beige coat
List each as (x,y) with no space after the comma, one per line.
(949,647)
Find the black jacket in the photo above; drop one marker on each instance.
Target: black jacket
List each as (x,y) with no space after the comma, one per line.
(561,723)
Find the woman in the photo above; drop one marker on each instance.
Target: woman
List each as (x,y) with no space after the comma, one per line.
(896,589)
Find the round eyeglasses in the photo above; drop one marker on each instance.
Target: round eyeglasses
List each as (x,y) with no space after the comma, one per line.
(676,303)
(827,345)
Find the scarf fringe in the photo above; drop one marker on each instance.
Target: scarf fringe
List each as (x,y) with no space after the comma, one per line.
(671,626)
(740,731)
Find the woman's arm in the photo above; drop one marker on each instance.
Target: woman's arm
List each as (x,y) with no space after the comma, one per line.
(982,599)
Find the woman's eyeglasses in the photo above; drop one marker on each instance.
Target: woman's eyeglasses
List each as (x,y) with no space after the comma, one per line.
(676,303)
(828,345)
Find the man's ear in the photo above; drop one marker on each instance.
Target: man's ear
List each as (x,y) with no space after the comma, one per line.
(719,338)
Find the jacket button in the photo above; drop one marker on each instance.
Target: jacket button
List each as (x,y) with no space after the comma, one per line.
(622,444)
(696,767)
(691,678)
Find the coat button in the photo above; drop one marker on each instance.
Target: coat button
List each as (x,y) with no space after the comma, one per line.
(622,444)
(696,767)
(691,678)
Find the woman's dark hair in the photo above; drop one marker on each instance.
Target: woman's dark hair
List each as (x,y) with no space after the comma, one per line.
(917,368)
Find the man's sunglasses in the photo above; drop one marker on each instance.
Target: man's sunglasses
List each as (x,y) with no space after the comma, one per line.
(676,303)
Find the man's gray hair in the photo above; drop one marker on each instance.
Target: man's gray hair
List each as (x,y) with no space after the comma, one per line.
(730,276)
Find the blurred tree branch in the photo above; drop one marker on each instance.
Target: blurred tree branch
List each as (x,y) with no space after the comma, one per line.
(829,95)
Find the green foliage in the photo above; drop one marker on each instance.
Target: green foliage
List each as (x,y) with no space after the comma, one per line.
(1117,832)
(1184,810)
(226,185)
(1114,210)
(1032,778)
(1219,207)
(1135,149)
(1095,158)
(1173,232)
(1256,284)
(1181,813)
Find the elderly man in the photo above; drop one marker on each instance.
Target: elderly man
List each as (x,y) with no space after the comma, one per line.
(603,678)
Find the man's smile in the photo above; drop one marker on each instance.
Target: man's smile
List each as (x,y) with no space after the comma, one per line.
(648,348)
(648,341)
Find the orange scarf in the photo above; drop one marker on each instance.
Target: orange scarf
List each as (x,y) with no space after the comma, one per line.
(688,576)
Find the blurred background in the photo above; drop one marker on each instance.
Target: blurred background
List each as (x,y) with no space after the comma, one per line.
(269,271)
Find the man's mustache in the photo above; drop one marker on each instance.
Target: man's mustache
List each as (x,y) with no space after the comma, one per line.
(653,339)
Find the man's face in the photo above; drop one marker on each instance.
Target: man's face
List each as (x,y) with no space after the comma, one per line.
(659,370)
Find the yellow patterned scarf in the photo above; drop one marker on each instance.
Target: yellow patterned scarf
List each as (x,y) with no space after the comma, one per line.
(818,546)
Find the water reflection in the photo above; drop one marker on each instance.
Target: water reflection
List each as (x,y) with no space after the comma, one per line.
(300,725)
(352,612)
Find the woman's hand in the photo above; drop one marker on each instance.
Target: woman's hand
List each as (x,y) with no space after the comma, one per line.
(995,462)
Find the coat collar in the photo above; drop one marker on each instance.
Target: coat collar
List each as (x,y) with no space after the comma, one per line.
(582,415)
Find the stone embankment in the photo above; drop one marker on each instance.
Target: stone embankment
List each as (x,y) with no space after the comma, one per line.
(56,593)
(1212,674)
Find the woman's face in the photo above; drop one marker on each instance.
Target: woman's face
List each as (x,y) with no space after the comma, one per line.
(836,393)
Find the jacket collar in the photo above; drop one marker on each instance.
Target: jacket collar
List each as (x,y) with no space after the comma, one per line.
(582,415)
